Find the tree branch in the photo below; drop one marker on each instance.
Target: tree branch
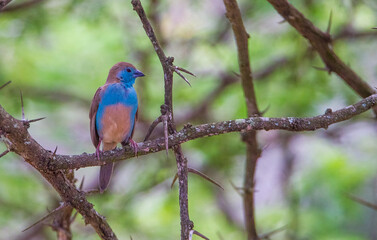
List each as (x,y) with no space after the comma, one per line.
(14,134)
(249,137)
(321,42)
(4,3)
(29,147)
(167,114)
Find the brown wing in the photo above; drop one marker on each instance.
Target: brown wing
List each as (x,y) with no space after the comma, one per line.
(92,117)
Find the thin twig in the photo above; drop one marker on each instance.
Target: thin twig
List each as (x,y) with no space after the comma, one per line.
(329,24)
(22,106)
(362,202)
(238,190)
(273,232)
(5,84)
(50,214)
(191,170)
(351,34)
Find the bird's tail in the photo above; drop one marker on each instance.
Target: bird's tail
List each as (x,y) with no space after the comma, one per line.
(106,170)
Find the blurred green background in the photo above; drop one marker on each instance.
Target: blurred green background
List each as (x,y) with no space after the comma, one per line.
(59,52)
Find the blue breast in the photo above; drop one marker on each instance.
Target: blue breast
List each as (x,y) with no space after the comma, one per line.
(117,93)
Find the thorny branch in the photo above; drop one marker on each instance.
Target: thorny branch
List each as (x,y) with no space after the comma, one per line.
(322,42)
(14,134)
(168,120)
(28,145)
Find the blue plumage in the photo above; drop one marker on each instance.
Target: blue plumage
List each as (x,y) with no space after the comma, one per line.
(117,93)
(113,114)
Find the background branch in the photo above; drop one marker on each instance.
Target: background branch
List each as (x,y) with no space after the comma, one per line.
(249,137)
(321,42)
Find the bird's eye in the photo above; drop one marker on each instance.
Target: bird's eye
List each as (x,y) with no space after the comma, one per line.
(128,70)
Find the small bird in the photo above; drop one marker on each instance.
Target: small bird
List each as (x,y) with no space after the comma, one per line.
(113,114)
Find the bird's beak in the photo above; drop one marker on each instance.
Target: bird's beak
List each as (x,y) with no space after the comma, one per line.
(138,73)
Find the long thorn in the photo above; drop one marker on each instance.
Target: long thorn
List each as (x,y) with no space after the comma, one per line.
(320,68)
(183,77)
(53,212)
(204,176)
(238,189)
(4,153)
(22,106)
(269,234)
(329,24)
(185,71)
(200,235)
(265,110)
(174,179)
(82,183)
(326,69)
(4,85)
(36,119)
(54,153)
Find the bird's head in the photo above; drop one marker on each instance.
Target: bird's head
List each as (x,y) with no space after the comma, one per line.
(125,73)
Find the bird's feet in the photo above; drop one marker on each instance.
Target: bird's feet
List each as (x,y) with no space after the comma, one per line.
(134,146)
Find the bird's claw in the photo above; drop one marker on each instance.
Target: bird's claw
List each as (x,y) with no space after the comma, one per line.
(134,146)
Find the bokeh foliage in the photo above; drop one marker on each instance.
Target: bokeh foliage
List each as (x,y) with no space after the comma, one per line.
(59,52)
